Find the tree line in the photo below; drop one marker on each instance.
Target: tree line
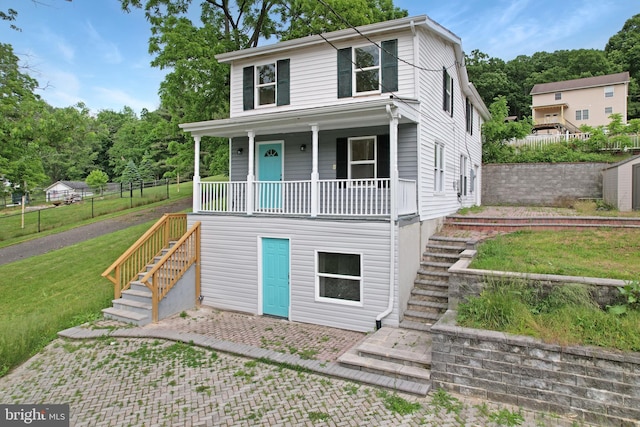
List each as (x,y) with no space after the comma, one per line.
(41,144)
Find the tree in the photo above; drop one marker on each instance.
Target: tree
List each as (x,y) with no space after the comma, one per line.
(145,169)
(623,50)
(130,173)
(497,131)
(97,180)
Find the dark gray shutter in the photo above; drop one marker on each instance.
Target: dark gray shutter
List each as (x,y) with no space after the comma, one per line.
(383,159)
(451,96)
(342,147)
(283,82)
(247,88)
(390,66)
(344,73)
(445,96)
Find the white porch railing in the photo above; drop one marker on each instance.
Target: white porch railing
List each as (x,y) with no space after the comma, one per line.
(349,197)
(538,141)
(363,197)
(407,201)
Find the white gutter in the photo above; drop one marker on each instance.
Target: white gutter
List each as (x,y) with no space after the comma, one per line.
(393,166)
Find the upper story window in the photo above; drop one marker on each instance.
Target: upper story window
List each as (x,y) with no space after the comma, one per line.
(608,92)
(363,157)
(447,92)
(266,84)
(469,116)
(608,110)
(464,175)
(558,96)
(368,69)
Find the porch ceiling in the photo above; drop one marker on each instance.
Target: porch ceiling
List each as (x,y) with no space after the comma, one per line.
(355,114)
(551,106)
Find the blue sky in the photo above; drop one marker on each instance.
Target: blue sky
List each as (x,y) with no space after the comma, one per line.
(91,51)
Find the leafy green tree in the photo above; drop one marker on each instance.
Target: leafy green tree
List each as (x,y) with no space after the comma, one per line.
(97,180)
(20,108)
(623,50)
(497,131)
(107,124)
(146,169)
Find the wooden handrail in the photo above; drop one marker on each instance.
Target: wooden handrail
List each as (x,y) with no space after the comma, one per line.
(170,268)
(135,259)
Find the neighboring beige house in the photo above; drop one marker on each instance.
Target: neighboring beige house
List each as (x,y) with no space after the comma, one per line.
(559,107)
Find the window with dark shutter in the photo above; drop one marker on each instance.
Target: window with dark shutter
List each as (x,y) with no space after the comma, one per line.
(383,157)
(369,157)
(375,68)
(342,158)
(247,88)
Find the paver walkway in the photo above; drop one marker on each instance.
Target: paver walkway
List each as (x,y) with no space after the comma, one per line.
(123,379)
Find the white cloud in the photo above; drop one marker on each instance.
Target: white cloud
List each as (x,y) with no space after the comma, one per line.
(61,88)
(108,50)
(59,45)
(115,99)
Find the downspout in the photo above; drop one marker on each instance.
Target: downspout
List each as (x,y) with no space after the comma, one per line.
(393,148)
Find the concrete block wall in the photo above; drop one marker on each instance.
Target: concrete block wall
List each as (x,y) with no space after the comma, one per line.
(540,184)
(596,385)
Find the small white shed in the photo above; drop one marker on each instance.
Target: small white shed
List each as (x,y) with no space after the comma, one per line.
(621,184)
(63,189)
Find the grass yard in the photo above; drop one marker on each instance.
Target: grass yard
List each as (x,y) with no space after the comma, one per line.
(604,253)
(42,295)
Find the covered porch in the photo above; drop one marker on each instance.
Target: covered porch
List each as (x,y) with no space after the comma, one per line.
(312,191)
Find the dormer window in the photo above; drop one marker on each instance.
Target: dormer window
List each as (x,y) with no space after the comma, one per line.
(265,85)
(368,69)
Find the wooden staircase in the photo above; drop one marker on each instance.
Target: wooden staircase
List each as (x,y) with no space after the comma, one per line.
(135,303)
(430,294)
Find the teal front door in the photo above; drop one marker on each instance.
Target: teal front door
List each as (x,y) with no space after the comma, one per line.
(275,277)
(270,175)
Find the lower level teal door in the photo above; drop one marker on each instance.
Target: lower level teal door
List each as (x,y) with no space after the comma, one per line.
(275,277)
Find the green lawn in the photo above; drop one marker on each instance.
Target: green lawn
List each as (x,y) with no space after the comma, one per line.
(42,295)
(605,253)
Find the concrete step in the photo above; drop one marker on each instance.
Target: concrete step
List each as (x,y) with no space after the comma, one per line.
(438,306)
(459,242)
(143,296)
(430,295)
(435,266)
(126,316)
(389,369)
(433,275)
(440,257)
(416,326)
(439,248)
(401,357)
(442,285)
(138,286)
(143,308)
(422,315)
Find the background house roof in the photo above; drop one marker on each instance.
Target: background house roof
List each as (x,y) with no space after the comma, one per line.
(609,79)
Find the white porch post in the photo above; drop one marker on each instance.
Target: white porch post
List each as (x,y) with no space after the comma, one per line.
(197,197)
(315,194)
(250,174)
(393,163)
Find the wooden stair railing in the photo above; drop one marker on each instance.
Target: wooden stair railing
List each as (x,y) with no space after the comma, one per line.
(135,259)
(170,268)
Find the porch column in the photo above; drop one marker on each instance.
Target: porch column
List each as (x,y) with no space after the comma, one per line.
(250,174)
(393,161)
(196,175)
(314,170)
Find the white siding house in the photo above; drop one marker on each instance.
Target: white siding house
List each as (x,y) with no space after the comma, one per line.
(346,152)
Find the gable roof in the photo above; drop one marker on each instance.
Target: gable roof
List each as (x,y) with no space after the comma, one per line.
(73,185)
(609,79)
(630,159)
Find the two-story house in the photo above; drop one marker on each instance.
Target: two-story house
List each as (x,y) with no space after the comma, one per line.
(563,106)
(347,150)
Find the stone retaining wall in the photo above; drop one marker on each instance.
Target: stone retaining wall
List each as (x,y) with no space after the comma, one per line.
(597,385)
(540,184)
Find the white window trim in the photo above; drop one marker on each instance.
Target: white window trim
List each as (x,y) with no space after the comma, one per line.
(258,85)
(608,92)
(439,173)
(363,162)
(355,69)
(317,276)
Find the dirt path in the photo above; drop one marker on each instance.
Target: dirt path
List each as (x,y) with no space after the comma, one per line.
(52,242)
